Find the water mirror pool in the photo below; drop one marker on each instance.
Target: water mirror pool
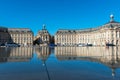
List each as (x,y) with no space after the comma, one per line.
(60,63)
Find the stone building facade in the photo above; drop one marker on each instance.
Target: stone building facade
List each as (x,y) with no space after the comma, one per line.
(22,36)
(108,33)
(43,36)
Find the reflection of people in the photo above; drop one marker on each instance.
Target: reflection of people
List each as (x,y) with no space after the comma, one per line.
(113,73)
(43,63)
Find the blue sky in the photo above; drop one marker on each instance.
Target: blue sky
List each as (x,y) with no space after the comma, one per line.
(57,14)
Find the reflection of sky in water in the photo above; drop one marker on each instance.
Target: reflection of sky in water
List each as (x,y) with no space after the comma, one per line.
(44,64)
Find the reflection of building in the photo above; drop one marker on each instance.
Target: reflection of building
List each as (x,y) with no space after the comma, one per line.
(21,36)
(43,52)
(107,56)
(106,34)
(101,53)
(43,36)
(17,54)
(4,54)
